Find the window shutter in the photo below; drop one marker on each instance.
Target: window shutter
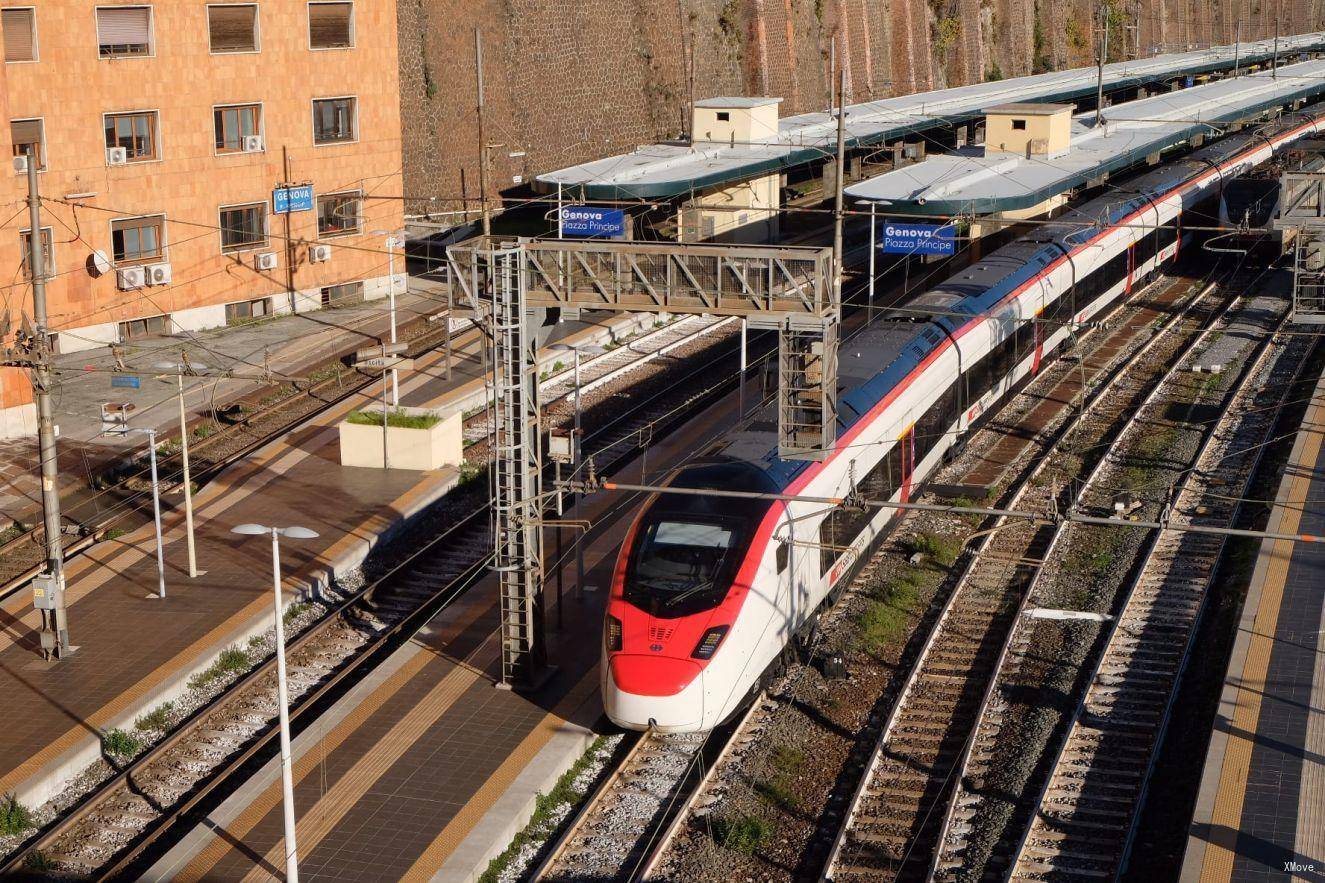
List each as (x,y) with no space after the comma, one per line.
(25,131)
(126,26)
(329,24)
(20,33)
(233,28)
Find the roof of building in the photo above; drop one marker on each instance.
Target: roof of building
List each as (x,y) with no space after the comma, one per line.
(969,181)
(1029,108)
(737,101)
(663,171)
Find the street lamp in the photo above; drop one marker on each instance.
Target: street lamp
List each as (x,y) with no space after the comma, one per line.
(393,241)
(180,370)
(282,693)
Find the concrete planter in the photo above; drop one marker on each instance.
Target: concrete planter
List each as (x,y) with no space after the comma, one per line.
(418,449)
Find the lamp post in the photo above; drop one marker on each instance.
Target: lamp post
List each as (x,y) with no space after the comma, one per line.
(180,369)
(592,349)
(156,504)
(393,242)
(282,692)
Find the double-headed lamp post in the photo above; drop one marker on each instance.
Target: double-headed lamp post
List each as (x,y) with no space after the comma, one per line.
(150,432)
(591,349)
(282,693)
(181,370)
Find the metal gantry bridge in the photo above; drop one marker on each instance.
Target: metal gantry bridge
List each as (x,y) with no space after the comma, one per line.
(791,290)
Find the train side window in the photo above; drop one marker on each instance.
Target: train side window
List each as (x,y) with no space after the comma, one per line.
(782,557)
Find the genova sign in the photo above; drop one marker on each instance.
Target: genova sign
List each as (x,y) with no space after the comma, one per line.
(918,239)
(292,198)
(585,220)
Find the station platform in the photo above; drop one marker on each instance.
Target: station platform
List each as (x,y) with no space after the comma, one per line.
(1260,812)
(136,651)
(426,770)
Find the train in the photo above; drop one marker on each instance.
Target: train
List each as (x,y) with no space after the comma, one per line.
(711,594)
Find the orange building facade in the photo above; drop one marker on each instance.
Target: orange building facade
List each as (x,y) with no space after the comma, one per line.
(167,134)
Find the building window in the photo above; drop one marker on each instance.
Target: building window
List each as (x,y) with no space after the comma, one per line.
(20,26)
(346,295)
(47,250)
(339,213)
(724,116)
(138,240)
(233,28)
(247,311)
(333,120)
(29,137)
(124,31)
(330,25)
(135,132)
(243,227)
(234,123)
(139,328)
(1019,125)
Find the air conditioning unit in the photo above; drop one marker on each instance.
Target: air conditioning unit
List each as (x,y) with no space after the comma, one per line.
(116,156)
(265,261)
(130,278)
(20,165)
(158,274)
(319,253)
(252,143)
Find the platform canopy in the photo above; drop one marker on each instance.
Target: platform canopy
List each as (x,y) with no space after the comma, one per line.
(664,171)
(977,180)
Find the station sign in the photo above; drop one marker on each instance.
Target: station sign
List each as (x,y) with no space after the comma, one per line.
(287,198)
(126,381)
(586,220)
(939,239)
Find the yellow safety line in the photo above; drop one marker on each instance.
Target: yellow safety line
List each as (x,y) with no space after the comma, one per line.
(1227,816)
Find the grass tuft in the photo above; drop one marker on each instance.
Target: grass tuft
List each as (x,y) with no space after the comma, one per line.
(294,611)
(231,660)
(15,818)
(942,551)
(157,719)
(744,834)
(118,743)
(38,861)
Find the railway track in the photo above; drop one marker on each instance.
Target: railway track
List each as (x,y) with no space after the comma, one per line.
(891,829)
(110,828)
(23,556)
(1085,815)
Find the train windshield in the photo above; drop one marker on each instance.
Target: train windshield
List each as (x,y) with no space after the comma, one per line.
(682,565)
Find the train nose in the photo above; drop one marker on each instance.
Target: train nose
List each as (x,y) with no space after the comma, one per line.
(653,675)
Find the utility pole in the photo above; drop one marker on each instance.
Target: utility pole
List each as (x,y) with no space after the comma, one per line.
(1104,51)
(838,213)
(289,241)
(1274,64)
(482,141)
(54,614)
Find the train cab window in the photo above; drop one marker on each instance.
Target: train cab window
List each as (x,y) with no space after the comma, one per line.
(680,561)
(782,556)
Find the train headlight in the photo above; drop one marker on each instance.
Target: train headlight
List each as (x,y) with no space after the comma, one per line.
(708,645)
(613,634)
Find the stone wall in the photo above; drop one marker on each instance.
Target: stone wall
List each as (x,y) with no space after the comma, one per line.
(573,80)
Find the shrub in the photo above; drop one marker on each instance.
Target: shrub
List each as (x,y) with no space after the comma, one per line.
(15,818)
(942,550)
(743,834)
(119,743)
(397,419)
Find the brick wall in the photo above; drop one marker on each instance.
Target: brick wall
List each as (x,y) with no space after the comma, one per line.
(569,81)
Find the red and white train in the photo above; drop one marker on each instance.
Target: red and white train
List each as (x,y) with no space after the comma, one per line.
(709,592)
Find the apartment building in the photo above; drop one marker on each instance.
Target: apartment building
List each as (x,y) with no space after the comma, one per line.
(201,164)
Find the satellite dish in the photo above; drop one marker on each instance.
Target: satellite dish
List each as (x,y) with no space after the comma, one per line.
(98,264)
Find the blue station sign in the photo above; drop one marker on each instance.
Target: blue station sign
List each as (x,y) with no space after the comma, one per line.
(586,220)
(937,239)
(126,381)
(292,198)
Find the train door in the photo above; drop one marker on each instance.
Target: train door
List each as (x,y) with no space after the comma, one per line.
(1131,269)
(906,451)
(1040,334)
